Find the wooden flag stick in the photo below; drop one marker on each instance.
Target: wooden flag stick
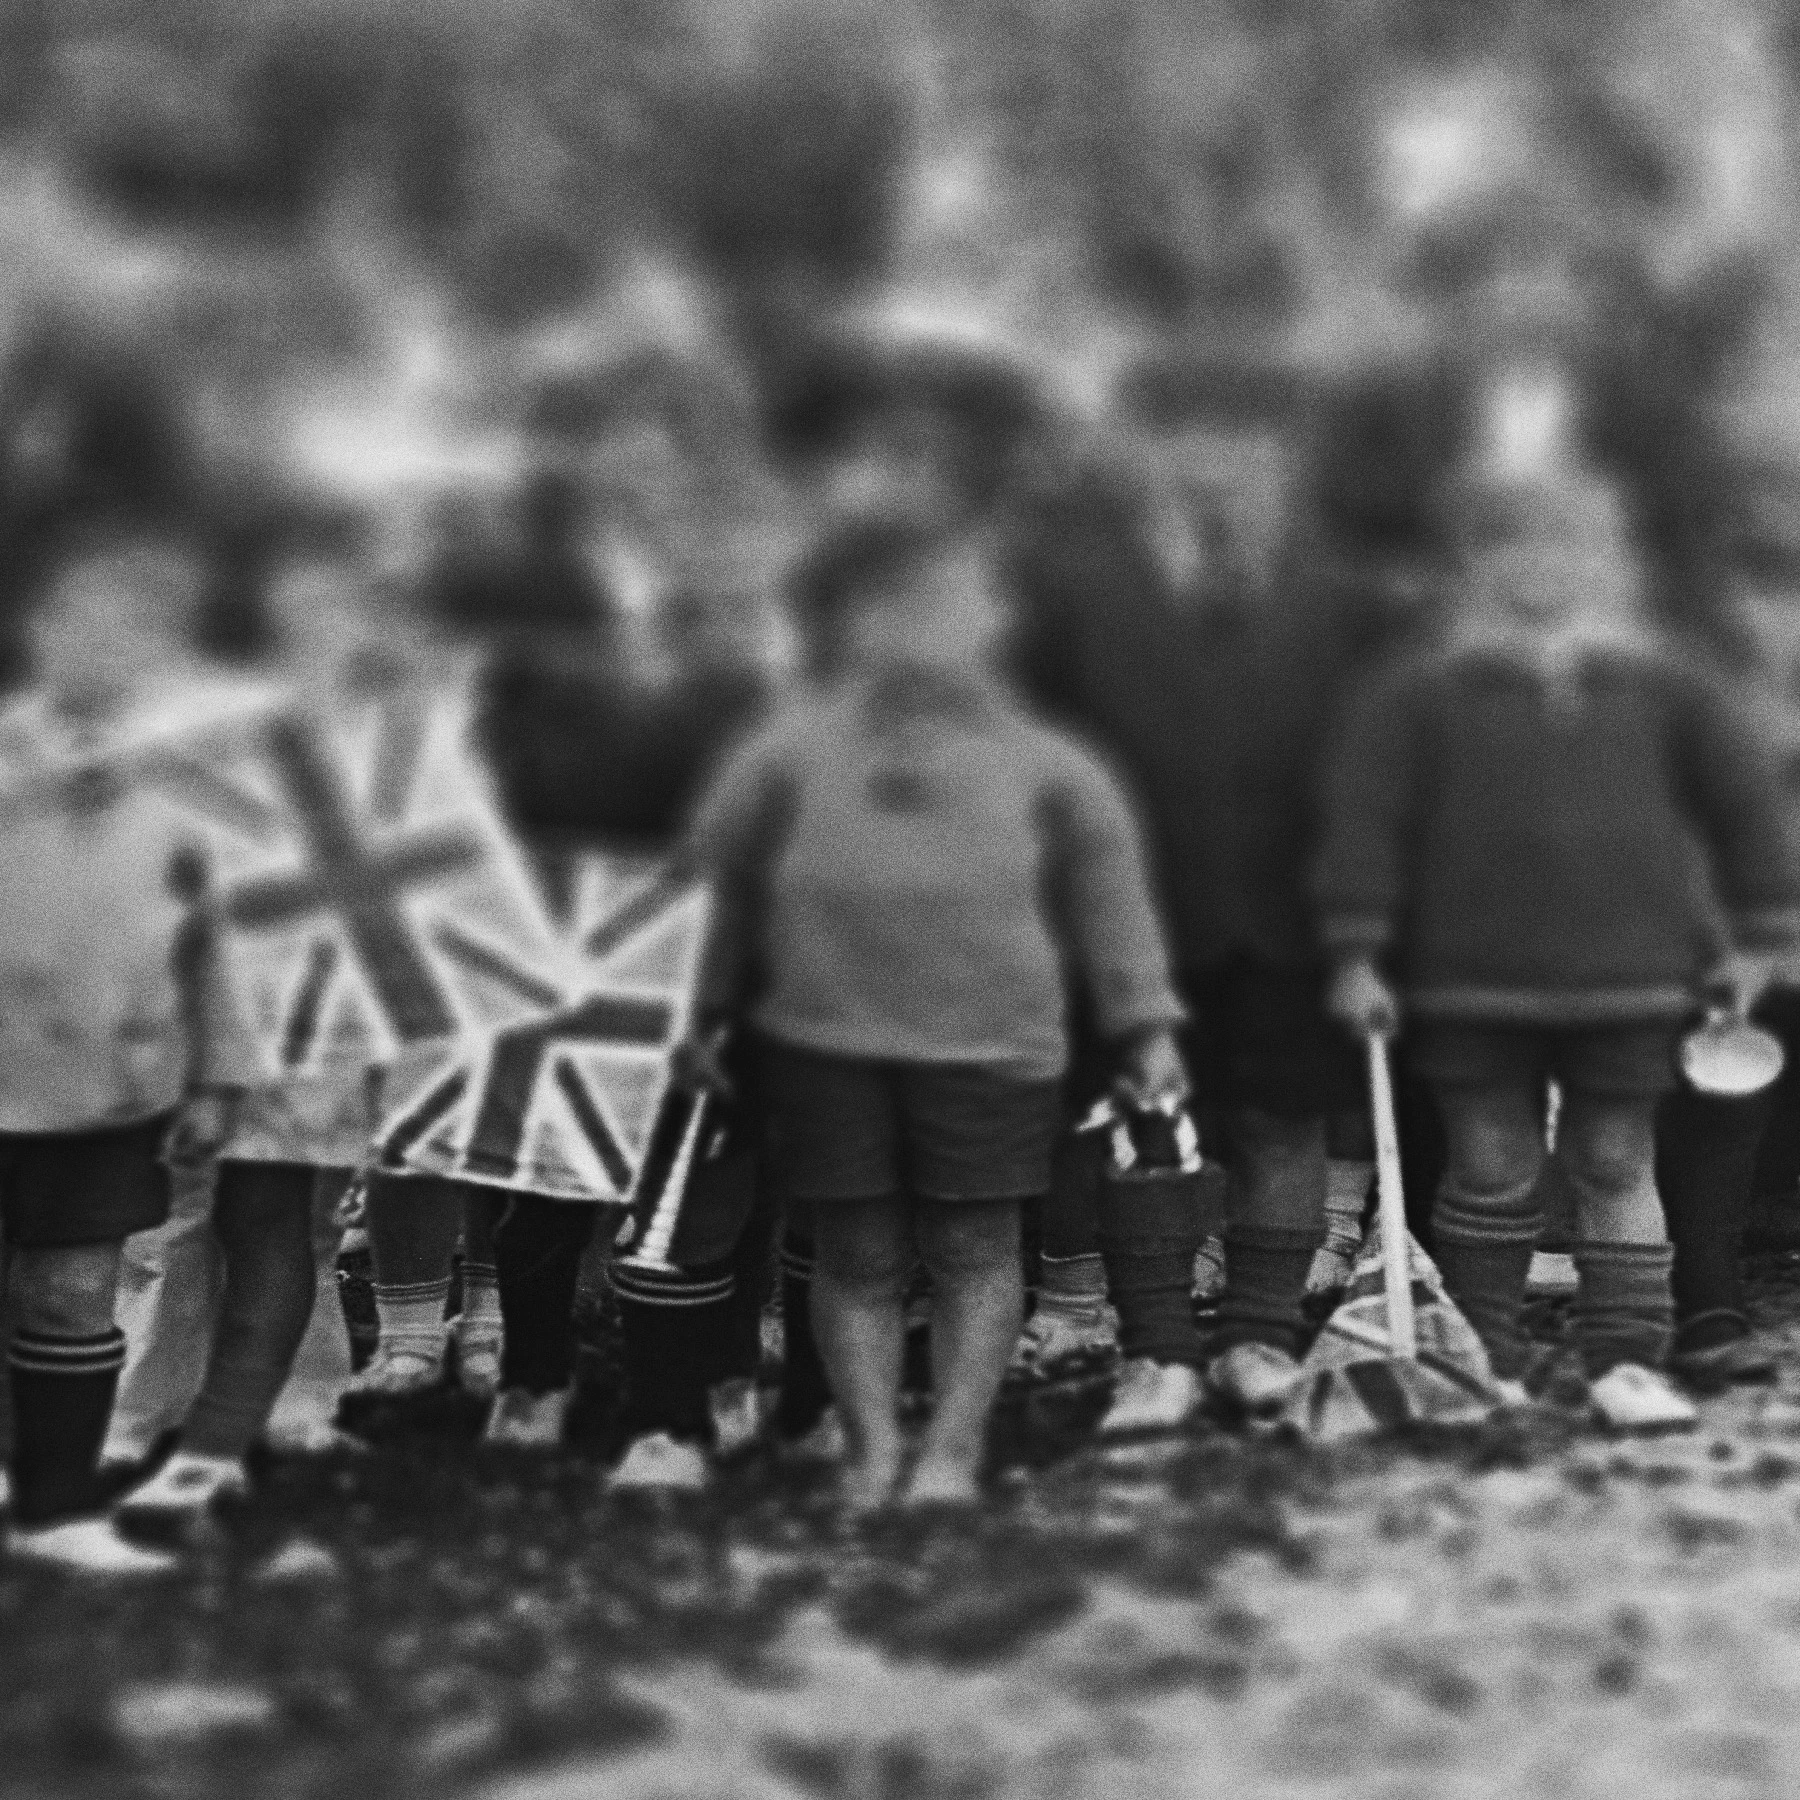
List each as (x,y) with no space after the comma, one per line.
(653,1247)
(1396,1240)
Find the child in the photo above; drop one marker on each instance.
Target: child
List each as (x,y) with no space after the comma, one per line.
(289,1144)
(1521,827)
(911,859)
(113,1015)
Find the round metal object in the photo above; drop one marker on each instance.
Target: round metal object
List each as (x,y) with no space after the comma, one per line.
(1731,1057)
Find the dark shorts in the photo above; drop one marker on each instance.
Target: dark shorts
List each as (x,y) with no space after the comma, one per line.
(63,1189)
(841,1128)
(1626,1060)
(1258,1036)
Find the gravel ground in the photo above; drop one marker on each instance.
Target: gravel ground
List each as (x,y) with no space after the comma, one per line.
(1510,1612)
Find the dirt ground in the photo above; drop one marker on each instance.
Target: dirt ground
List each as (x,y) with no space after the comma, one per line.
(1512,1612)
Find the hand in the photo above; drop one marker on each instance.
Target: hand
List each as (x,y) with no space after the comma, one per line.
(1153,1074)
(1361,999)
(201,1125)
(697,1065)
(1738,982)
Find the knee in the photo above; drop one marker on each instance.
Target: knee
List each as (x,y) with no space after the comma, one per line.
(1492,1157)
(864,1249)
(67,1293)
(1607,1152)
(964,1240)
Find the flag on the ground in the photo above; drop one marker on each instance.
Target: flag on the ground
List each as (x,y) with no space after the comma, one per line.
(1353,1383)
(372,907)
(566,1101)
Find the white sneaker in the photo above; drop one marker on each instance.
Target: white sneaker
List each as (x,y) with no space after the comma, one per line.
(1065,1335)
(1256,1378)
(527,1421)
(737,1415)
(184,1490)
(397,1371)
(479,1343)
(86,1547)
(1631,1397)
(1151,1396)
(658,1461)
(1552,1274)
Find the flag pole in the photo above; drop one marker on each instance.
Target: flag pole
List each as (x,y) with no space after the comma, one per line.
(1396,1243)
(652,1250)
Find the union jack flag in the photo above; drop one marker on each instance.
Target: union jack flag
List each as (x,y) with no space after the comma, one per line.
(566,1102)
(372,906)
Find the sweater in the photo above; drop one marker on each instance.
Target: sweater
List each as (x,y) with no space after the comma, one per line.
(112,1001)
(1556,852)
(918,872)
(1214,703)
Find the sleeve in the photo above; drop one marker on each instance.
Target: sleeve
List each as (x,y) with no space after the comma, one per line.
(730,844)
(1101,897)
(1732,790)
(221,1049)
(1369,783)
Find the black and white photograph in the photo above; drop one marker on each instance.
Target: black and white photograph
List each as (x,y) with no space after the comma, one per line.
(900,899)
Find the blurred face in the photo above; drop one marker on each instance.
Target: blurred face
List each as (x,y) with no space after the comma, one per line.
(1547,585)
(943,616)
(112,620)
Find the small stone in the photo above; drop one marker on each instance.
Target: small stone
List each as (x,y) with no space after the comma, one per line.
(298,1561)
(151,1715)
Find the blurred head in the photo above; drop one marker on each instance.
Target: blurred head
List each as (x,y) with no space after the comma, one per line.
(117,608)
(1549,556)
(901,594)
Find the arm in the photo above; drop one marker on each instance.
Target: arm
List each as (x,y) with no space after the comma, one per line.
(1100,884)
(1731,791)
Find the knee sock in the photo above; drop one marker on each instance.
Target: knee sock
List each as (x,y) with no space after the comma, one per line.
(1623,1311)
(481,1296)
(537,1252)
(805,1393)
(1265,1281)
(1483,1250)
(412,1317)
(1148,1245)
(676,1331)
(62,1395)
(263,1218)
(1346,1201)
(1073,1285)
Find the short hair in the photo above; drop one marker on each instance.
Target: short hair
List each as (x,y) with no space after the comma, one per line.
(856,559)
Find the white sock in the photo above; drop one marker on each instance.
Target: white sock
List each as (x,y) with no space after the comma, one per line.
(480,1295)
(1346,1194)
(412,1318)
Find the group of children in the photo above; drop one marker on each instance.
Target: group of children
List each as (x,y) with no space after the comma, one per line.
(1541,840)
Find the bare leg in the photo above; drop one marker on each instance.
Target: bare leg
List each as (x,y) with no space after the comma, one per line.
(865,1255)
(972,1250)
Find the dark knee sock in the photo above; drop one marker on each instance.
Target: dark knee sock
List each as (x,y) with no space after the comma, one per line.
(537,1256)
(62,1396)
(676,1328)
(1706,1149)
(805,1392)
(1623,1311)
(1265,1287)
(263,1218)
(1148,1247)
(1483,1251)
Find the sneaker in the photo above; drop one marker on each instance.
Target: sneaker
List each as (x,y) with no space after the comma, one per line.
(1061,1340)
(1331,1270)
(182,1492)
(1151,1396)
(737,1415)
(86,1547)
(658,1461)
(397,1372)
(1631,1397)
(478,1346)
(1256,1379)
(527,1421)
(825,1442)
(1552,1274)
